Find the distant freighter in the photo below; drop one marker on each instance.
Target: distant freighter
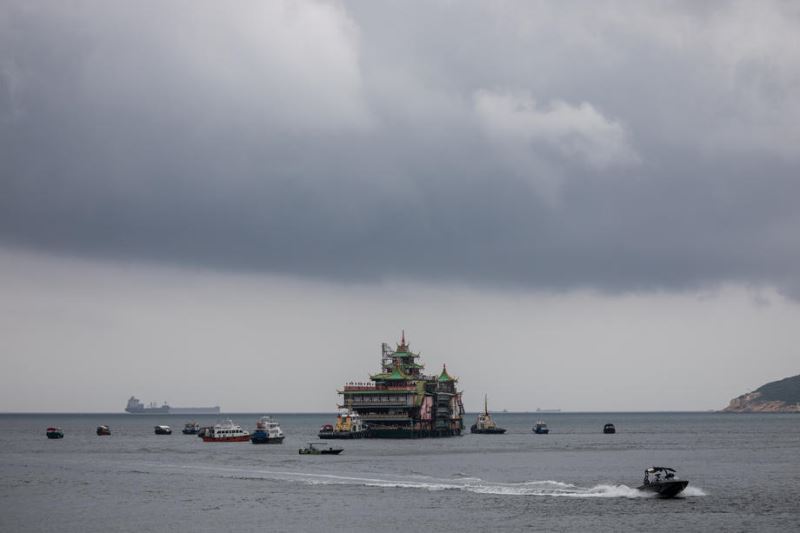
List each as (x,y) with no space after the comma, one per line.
(136,407)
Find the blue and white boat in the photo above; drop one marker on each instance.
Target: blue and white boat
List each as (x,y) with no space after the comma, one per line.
(267,431)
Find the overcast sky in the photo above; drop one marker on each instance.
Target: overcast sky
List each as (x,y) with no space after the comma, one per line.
(557,199)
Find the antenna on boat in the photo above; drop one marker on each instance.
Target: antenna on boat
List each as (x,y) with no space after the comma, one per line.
(485,405)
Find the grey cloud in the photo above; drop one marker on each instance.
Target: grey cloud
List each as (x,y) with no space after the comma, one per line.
(343,141)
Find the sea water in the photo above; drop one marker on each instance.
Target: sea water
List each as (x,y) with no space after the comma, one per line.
(743,472)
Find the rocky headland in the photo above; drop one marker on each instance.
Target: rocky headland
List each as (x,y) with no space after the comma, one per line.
(781,396)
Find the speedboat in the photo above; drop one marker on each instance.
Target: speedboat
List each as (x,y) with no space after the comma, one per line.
(663,482)
(55,433)
(313,449)
(226,432)
(163,430)
(484,424)
(609,428)
(103,431)
(268,431)
(541,428)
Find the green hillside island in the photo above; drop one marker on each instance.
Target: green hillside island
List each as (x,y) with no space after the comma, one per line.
(781,396)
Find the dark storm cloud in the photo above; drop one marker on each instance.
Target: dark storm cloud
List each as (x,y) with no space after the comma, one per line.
(553,146)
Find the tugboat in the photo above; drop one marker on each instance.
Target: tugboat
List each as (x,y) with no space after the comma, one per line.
(485,425)
(103,431)
(226,432)
(609,428)
(312,449)
(267,431)
(668,487)
(55,433)
(541,428)
(191,428)
(163,430)
(348,426)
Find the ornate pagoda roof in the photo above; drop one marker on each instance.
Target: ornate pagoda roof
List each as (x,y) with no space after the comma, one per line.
(444,376)
(396,374)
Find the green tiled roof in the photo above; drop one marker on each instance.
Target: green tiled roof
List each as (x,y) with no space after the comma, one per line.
(395,375)
(444,376)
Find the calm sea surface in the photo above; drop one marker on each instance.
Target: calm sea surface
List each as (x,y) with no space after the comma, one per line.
(744,475)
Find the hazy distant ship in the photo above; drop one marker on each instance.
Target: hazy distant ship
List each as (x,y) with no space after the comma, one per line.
(136,407)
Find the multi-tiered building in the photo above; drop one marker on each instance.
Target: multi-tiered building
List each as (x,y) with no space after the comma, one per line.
(402,402)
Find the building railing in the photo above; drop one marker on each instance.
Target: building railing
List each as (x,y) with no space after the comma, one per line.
(383,416)
(369,387)
(372,402)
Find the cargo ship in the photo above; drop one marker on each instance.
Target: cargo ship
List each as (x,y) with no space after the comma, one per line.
(136,407)
(402,402)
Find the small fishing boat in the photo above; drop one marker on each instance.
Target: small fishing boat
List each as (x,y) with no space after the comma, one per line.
(609,428)
(103,431)
(541,428)
(55,433)
(163,430)
(666,486)
(484,424)
(191,428)
(268,431)
(314,449)
(226,432)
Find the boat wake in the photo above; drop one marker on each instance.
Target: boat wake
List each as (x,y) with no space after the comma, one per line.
(692,491)
(478,486)
(547,488)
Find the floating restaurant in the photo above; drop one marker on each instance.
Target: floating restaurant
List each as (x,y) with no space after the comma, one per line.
(402,402)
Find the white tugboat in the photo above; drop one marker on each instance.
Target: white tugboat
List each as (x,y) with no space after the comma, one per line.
(484,424)
(268,431)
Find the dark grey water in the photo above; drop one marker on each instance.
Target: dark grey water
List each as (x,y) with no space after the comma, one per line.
(743,472)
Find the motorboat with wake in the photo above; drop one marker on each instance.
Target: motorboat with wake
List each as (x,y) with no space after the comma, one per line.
(663,482)
(163,430)
(484,424)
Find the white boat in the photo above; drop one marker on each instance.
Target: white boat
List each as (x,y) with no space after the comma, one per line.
(485,424)
(191,428)
(268,431)
(226,432)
